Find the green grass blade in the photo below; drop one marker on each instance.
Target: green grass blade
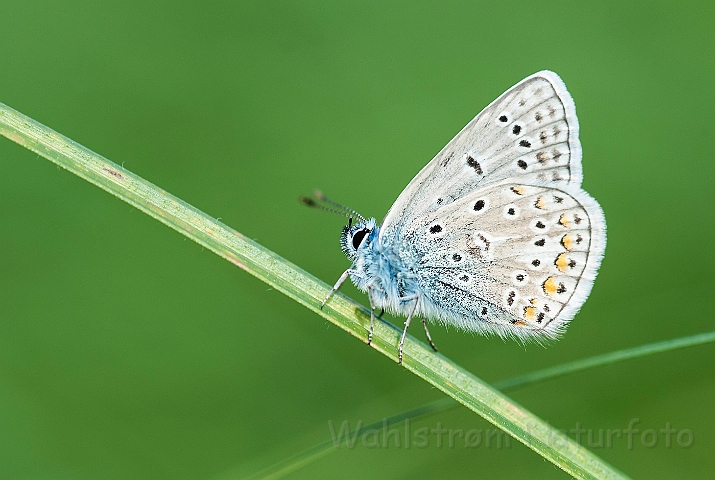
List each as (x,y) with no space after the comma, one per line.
(285,277)
(308,456)
(605,359)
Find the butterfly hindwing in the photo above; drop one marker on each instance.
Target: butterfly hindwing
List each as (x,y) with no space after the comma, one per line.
(516,260)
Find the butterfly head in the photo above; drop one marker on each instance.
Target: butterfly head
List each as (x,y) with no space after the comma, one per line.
(357,236)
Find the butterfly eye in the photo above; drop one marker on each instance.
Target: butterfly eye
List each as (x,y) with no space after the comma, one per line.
(359,236)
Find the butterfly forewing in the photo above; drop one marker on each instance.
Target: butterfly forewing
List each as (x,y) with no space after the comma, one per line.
(529,134)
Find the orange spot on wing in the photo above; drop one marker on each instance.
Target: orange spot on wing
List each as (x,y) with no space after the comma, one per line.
(564,220)
(568,241)
(550,286)
(530,313)
(540,203)
(562,262)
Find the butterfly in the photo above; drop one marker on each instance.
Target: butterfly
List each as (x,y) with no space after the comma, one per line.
(495,235)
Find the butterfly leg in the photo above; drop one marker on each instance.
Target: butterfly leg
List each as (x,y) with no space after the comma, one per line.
(404,333)
(429,339)
(372,317)
(337,285)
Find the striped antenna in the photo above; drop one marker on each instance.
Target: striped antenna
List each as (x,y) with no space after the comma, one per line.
(321,196)
(335,207)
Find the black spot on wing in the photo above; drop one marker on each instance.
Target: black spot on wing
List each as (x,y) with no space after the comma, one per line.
(474,164)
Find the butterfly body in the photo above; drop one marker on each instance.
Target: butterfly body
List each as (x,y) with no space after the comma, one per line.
(495,234)
(379,270)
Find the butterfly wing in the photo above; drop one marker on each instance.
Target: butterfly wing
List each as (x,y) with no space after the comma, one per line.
(512,259)
(521,154)
(530,132)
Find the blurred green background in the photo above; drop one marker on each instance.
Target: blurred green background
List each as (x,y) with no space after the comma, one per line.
(127,351)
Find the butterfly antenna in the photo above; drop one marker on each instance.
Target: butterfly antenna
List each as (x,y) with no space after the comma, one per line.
(309,202)
(321,196)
